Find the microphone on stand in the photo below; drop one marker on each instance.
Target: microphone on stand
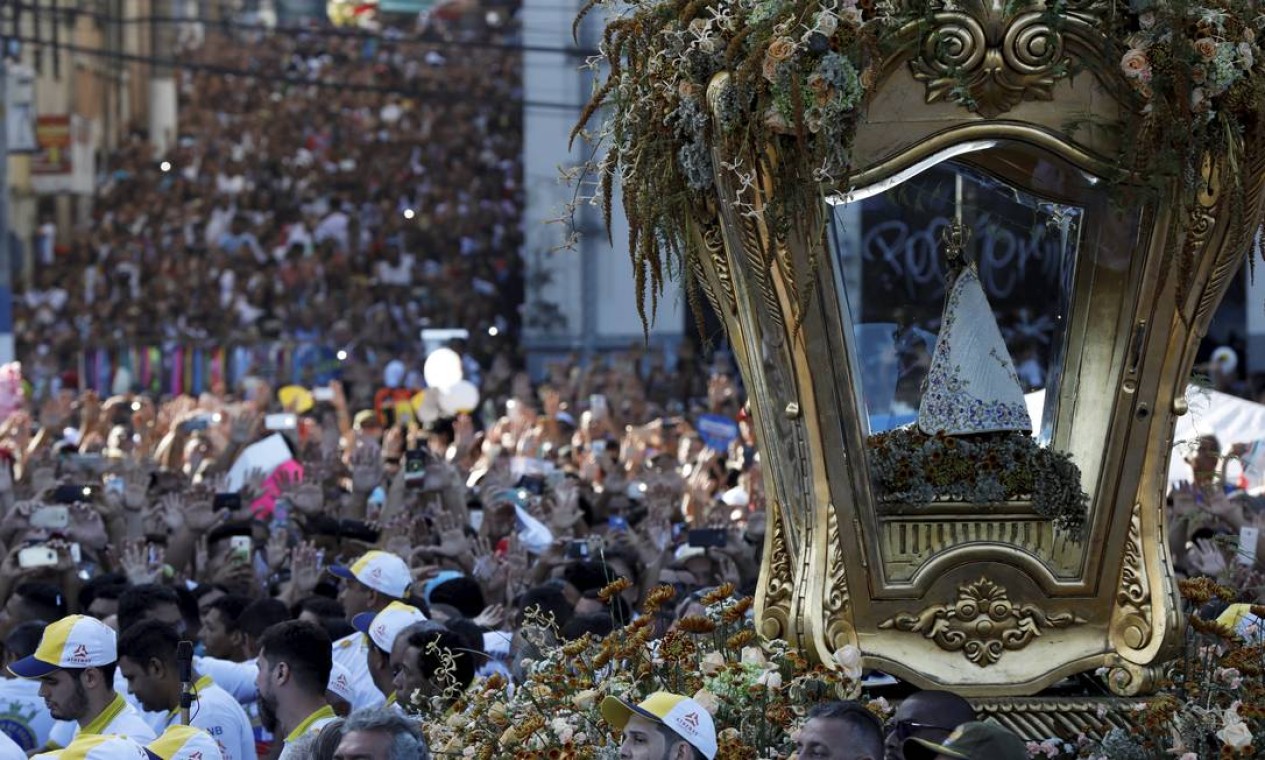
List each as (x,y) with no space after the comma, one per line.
(184,658)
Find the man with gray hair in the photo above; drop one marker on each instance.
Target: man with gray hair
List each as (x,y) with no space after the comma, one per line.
(381,734)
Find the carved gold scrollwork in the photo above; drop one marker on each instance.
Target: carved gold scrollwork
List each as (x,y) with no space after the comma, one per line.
(1128,679)
(839,632)
(1132,624)
(982,623)
(991,55)
(778,582)
(714,241)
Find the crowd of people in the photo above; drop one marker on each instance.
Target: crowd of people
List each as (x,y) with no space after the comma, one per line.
(325,188)
(353,587)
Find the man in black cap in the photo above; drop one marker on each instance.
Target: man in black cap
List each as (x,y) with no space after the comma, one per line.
(970,741)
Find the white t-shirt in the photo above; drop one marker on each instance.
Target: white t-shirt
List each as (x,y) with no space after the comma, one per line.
(126,722)
(23,716)
(236,678)
(352,652)
(216,712)
(311,726)
(9,750)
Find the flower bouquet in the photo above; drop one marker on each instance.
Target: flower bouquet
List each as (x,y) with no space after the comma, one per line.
(757,692)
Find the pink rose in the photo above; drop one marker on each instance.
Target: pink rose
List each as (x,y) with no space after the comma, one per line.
(1136,65)
(1206,47)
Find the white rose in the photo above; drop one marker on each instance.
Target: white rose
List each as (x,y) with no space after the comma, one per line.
(752,656)
(827,24)
(709,701)
(1236,735)
(712,663)
(849,661)
(770,679)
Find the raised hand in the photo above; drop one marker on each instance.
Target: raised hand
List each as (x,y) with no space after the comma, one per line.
(136,490)
(366,468)
(308,498)
(277,549)
(87,527)
(142,562)
(491,618)
(566,508)
(305,569)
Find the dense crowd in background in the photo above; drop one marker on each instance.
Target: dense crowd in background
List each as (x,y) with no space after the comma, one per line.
(330,197)
(343,561)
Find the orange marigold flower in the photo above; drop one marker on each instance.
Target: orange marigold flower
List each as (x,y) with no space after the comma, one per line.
(695,624)
(740,639)
(574,648)
(614,588)
(738,610)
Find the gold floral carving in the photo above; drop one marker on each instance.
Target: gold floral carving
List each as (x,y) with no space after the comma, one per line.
(778,581)
(1132,624)
(714,242)
(982,623)
(991,55)
(839,632)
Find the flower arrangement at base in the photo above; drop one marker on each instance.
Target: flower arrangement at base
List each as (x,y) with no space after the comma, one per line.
(909,466)
(1211,701)
(757,692)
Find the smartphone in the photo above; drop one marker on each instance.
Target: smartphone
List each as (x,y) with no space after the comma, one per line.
(476,519)
(240,548)
(72,494)
(578,550)
(51,518)
(37,556)
(617,523)
(415,461)
(532,484)
(76,554)
(1248,536)
(93,463)
(323,394)
(197,424)
(230,501)
(281,423)
(708,537)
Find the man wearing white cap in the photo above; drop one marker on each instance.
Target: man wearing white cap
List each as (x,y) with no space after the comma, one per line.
(663,726)
(369,585)
(340,693)
(186,743)
(75,665)
(382,630)
(99,747)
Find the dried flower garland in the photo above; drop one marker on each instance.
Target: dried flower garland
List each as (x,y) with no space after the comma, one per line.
(909,466)
(801,73)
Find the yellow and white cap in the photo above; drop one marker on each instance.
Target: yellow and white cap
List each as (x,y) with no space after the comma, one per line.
(685,717)
(381,571)
(340,683)
(186,743)
(74,643)
(100,747)
(383,627)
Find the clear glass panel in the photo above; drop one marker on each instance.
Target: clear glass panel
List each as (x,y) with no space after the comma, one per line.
(892,268)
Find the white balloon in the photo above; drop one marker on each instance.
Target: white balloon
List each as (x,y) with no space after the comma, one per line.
(442,369)
(429,410)
(462,397)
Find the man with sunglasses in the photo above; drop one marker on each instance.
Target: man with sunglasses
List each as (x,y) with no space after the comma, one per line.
(927,715)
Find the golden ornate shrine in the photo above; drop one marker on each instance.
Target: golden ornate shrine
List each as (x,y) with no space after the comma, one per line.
(989,600)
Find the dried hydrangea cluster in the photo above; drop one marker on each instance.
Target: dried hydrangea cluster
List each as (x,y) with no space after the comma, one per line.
(797,70)
(909,466)
(758,692)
